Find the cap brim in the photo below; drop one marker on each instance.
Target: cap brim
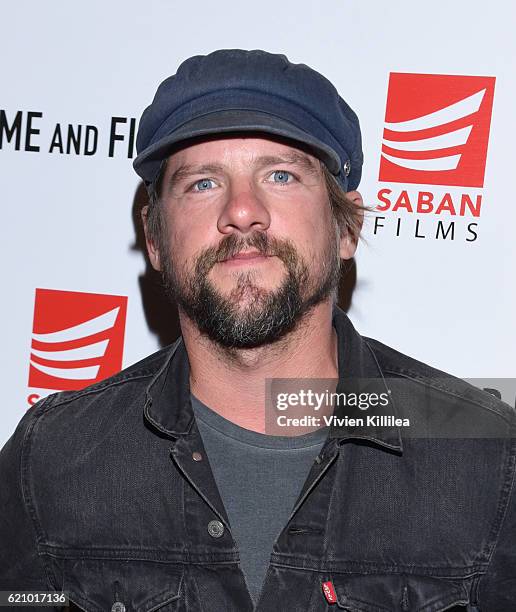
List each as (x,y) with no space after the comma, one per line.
(148,161)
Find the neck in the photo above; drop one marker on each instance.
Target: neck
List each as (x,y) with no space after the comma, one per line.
(233,382)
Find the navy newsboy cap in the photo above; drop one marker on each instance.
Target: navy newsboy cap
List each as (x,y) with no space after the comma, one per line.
(232,91)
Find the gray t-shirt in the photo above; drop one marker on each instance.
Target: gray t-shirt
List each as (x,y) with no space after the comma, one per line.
(259,477)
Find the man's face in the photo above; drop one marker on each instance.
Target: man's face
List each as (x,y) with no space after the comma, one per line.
(250,243)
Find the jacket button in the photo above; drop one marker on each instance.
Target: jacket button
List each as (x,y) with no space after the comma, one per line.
(118,606)
(196,456)
(215,529)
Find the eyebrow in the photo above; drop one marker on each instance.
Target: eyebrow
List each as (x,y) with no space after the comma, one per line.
(293,158)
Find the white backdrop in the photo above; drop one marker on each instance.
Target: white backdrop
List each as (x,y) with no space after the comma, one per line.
(68,217)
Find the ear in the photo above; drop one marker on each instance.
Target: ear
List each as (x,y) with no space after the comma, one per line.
(348,243)
(152,249)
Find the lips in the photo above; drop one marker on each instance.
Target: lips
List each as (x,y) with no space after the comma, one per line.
(246,255)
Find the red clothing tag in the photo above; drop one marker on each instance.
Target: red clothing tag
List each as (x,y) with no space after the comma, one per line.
(329,592)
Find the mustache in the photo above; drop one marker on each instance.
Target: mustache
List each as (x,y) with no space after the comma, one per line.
(233,244)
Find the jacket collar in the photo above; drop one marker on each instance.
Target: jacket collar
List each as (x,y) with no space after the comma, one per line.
(359,369)
(169,410)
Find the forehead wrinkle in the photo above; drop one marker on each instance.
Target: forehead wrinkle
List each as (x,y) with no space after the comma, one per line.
(292,157)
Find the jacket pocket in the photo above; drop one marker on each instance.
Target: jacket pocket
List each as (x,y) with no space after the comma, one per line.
(98,585)
(400,593)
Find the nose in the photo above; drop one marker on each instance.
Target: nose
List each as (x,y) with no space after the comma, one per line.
(244,210)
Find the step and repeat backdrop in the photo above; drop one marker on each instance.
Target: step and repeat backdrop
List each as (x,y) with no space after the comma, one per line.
(434,87)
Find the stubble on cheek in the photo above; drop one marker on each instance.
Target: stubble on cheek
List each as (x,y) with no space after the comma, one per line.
(249,314)
(185,279)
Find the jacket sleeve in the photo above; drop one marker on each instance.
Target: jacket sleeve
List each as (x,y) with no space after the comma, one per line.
(20,566)
(497,588)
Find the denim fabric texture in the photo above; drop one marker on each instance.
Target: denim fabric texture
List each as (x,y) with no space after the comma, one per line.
(101,497)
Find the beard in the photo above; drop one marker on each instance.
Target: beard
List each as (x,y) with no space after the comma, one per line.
(250,316)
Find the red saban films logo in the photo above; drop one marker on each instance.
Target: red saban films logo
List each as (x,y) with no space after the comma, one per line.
(436,133)
(77,338)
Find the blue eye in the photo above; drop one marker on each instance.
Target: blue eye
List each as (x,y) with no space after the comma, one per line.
(281,176)
(203,185)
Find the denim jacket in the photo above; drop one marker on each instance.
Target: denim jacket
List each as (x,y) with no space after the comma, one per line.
(103,496)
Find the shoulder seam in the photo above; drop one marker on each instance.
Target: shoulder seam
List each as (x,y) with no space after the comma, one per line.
(430,382)
(157,360)
(92,391)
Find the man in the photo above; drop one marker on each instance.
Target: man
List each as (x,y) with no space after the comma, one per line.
(163,488)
